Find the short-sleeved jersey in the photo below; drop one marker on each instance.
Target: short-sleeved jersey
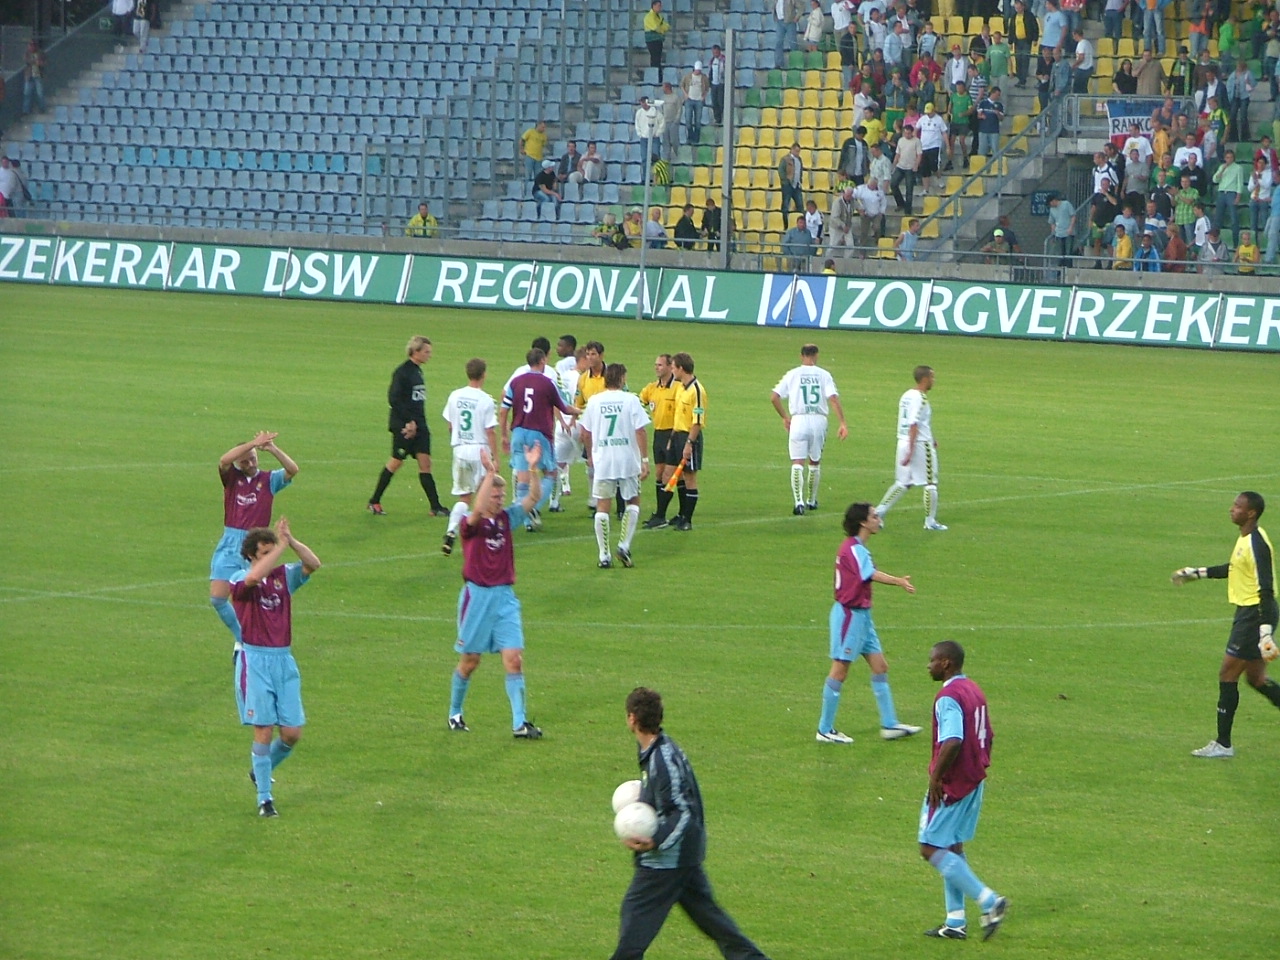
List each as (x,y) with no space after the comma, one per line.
(246,501)
(567,364)
(524,368)
(960,713)
(589,384)
(807,388)
(567,381)
(470,413)
(914,410)
(264,610)
(660,399)
(1251,572)
(407,397)
(691,406)
(854,568)
(534,399)
(488,556)
(612,418)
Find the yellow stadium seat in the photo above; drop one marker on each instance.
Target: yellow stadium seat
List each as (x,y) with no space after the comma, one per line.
(1105,84)
(746,136)
(974,26)
(1106,47)
(1125,48)
(769,117)
(701,177)
(939,23)
(831,99)
(997,25)
(946,8)
(806,138)
(825,159)
(1020,122)
(955,27)
(743,158)
(822,181)
(885,249)
(679,196)
(788,118)
(844,119)
(773,222)
(717,177)
(698,196)
(828,119)
(790,97)
(976,189)
(760,178)
(826,138)
(786,137)
(976,162)
(833,60)
(767,137)
(719,156)
(833,82)
(770,264)
(812,80)
(930,206)
(755,220)
(930,230)
(1107,66)
(811,98)
(809,119)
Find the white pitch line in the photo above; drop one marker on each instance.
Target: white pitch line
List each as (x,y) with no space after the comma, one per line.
(590,538)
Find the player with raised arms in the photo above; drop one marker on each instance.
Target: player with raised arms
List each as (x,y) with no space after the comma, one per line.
(272,687)
(488,611)
(247,498)
(917,459)
(957,775)
(617,447)
(852,631)
(1251,586)
(533,399)
(472,419)
(809,391)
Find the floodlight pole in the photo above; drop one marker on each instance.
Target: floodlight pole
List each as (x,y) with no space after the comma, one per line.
(644,222)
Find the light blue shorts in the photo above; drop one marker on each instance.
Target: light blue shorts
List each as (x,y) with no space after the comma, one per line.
(955,823)
(853,633)
(240,678)
(522,437)
(273,688)
(488,620)
(227,561)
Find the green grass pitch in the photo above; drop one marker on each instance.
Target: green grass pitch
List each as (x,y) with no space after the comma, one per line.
(1074,478)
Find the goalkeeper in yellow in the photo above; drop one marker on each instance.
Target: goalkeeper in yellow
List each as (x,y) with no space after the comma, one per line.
(1251,579)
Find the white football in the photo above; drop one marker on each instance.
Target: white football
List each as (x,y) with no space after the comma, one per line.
(636,821)
(628,792)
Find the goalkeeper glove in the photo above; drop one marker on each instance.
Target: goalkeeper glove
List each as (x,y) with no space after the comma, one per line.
(1266,645)
(1188,573)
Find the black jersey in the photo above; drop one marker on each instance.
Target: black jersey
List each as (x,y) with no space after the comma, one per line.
(407,396)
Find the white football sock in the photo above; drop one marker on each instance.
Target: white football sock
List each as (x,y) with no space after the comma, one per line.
(602,533)
(797,483)
(456,516)
(630,520)
(890,498)
(931,500)
(815,475)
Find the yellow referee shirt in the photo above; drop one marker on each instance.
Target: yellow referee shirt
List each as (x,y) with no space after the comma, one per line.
(661,402)
(690,406)
(1252,567)
(589,384)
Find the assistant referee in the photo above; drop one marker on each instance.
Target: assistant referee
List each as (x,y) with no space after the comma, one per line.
(659,398)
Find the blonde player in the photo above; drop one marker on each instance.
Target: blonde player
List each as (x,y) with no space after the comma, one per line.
(472,418)
(809,391)
(917,461)
(613,433)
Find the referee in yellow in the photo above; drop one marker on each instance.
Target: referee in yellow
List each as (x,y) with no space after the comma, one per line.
(659,398)
(686,436)
(1251,579)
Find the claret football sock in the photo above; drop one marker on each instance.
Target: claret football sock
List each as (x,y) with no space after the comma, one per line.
(797,483)
(515,693)
(227,614)
(884,699)
(279,752)
(457,693)
(1270,690)
(830,704)
(1228,700)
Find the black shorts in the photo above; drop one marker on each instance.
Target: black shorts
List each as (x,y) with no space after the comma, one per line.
(406,448)
(675,450)
(1243,642)
(661,448)
(929,162)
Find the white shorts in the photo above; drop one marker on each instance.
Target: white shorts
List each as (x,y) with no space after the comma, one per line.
(921,469)
(605,489)
(808,436)
(468,471)
(568,445)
